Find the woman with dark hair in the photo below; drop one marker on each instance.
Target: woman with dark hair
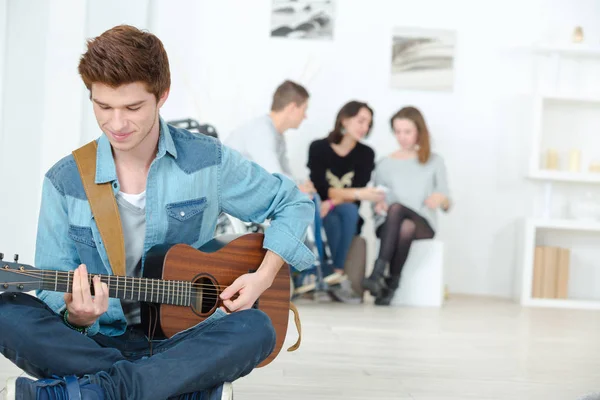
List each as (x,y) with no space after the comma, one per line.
(417,187)
(340,168)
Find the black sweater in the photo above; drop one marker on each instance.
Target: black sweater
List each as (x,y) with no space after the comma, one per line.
(329,170)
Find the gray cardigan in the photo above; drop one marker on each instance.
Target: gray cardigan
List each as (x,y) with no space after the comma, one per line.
(410,183)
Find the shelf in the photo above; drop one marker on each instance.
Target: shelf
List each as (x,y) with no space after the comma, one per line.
(524,279)
(563,303)
(569,49)
(565,176)
(572,98)
(565,116)
(565,224)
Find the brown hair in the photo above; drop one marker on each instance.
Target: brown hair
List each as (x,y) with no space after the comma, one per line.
(413,114)
(286,93)
(125,54)
(349,110)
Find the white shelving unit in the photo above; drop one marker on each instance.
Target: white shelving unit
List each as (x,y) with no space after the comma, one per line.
(567,50)
(541,101)
(564,176)
(566,224)
(557,303)
(545,96)
(574,98)
(532,226)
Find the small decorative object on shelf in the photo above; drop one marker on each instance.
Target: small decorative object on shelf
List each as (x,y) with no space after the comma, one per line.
(574,161)
(594,167)
(552,159)
(578,35)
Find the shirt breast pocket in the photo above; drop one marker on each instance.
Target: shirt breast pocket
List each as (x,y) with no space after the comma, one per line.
(86,247)
(185,221)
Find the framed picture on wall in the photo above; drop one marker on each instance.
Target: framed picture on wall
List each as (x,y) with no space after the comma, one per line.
(423,59)
(302,19)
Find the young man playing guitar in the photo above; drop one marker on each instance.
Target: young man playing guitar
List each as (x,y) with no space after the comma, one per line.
(170,186)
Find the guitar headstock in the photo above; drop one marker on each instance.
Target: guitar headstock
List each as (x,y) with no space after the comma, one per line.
(16,277)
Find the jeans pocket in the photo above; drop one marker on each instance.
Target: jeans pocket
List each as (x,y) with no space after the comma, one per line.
(185,221)
(85,245)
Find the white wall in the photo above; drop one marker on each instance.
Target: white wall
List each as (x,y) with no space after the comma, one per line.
(3,25)
(229,67)
(23,93)
(225,68)
(100,16)
(63,90)
(46,111)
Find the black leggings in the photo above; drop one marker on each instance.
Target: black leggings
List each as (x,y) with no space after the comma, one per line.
(397,233)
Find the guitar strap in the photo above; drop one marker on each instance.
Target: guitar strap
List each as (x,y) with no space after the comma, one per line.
(106,214)
(104,207)
(298,327)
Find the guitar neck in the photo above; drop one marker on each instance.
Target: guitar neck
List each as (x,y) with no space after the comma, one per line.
(127,288)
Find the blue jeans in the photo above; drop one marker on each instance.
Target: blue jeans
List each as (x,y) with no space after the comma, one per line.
(220,349)
(341,226)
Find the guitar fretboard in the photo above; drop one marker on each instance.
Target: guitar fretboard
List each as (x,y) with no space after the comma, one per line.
(128,288)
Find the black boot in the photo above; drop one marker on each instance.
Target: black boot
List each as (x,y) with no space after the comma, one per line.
(387,294)
(375,283)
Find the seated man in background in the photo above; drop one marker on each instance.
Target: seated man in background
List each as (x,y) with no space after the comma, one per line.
(262,141)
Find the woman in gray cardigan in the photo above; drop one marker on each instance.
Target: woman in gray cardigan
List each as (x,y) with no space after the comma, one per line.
(416,186)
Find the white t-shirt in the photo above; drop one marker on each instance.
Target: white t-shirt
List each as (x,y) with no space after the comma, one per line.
(137,200)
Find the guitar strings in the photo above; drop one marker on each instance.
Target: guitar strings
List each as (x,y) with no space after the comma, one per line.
(174,291)
(67,275)
(156,294)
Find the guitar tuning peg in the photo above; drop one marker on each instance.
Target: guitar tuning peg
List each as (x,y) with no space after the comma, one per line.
(16,258)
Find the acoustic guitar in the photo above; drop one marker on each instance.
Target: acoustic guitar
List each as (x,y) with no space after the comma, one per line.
(180,286)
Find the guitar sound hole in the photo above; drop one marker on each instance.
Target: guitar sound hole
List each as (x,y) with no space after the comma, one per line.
(204,295)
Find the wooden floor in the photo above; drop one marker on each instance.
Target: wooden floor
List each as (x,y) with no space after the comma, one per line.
(472,348)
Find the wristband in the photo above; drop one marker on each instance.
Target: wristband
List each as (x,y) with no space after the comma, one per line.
(82,330)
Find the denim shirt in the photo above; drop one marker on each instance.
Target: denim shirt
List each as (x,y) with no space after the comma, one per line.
(190,182)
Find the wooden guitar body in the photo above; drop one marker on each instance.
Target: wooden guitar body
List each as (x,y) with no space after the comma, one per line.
(211,269)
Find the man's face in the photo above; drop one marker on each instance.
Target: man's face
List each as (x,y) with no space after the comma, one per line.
(298,114)
(126,114)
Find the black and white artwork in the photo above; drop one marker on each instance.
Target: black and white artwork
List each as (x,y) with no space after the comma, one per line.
(423,59)
(302,19)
